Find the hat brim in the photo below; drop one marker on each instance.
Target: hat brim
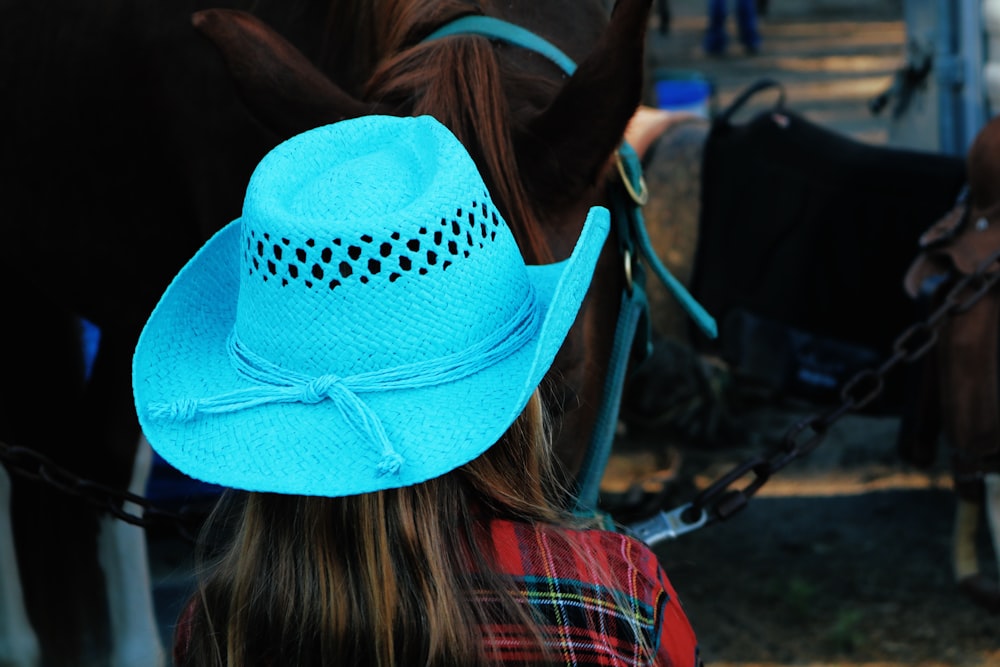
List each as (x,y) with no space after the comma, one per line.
(310,449)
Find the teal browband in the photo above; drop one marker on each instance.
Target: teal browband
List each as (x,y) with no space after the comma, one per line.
(487,26)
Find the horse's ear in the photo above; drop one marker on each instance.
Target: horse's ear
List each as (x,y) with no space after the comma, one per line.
(278,83)
(569,144)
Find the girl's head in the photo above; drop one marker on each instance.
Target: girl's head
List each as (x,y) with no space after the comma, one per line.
(367,324)
(362,348)
(380,578)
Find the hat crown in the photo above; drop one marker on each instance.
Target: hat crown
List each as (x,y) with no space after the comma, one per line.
(370,244)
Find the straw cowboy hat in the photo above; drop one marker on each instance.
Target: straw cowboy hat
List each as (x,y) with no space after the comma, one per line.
(367,323)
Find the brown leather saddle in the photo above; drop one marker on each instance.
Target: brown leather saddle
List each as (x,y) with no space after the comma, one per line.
(960,391)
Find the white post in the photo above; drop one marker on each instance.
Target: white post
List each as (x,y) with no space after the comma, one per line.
(971,32)
(963,544)
(991,67)
(135,637)
(18,642)
(992,502)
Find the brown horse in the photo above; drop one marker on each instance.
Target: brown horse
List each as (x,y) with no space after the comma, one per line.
(544,142)
(127,145)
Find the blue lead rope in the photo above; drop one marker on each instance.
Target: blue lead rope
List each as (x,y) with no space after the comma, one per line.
(633,237)
(634,241)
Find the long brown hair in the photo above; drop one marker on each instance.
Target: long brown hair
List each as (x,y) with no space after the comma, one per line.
(381,578)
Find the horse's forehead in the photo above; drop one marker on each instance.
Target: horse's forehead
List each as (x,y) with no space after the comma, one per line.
(572,25)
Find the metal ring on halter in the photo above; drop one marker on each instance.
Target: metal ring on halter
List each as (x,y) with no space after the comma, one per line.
(640,197)
(627,256)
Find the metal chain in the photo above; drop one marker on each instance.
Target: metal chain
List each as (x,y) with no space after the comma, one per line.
(33,465)
(719,501)
(722,499)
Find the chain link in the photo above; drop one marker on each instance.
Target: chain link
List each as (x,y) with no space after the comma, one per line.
(33,465)
(720,500)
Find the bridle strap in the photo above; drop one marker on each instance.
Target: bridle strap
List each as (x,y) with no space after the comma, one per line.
(631,170)
(487,26)
(636,250)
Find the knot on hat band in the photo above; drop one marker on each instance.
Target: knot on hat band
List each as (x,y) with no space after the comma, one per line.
(274,384)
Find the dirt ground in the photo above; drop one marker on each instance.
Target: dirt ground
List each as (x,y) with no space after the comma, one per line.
(841,559)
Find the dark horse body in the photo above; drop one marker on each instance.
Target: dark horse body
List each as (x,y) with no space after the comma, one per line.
(129,140)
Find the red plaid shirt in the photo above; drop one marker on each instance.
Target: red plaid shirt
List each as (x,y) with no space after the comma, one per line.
(584,622)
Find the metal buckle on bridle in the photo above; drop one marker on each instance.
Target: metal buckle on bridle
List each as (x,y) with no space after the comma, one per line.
(639,199)
(642,196)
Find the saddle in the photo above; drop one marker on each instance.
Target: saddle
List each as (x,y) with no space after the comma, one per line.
(960,388)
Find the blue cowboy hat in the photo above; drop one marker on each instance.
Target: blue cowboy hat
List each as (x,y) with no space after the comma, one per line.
(367,323)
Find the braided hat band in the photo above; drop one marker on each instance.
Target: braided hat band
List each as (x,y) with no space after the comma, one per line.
(367,323)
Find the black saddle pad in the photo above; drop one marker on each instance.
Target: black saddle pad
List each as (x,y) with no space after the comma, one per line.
(810,230)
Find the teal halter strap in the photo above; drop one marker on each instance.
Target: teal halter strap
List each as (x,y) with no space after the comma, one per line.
(633,240)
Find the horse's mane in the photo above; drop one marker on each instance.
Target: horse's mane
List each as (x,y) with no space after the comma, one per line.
(463,83)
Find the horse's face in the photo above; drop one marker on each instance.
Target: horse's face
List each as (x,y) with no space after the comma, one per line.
(544,142)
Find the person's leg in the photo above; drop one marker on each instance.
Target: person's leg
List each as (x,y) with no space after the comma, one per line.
(715,36)
(746,16)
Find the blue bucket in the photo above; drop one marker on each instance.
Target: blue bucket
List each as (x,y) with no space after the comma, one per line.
(688,94)
(90,337)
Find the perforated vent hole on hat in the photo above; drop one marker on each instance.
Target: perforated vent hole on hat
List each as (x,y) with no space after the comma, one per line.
(334,262)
